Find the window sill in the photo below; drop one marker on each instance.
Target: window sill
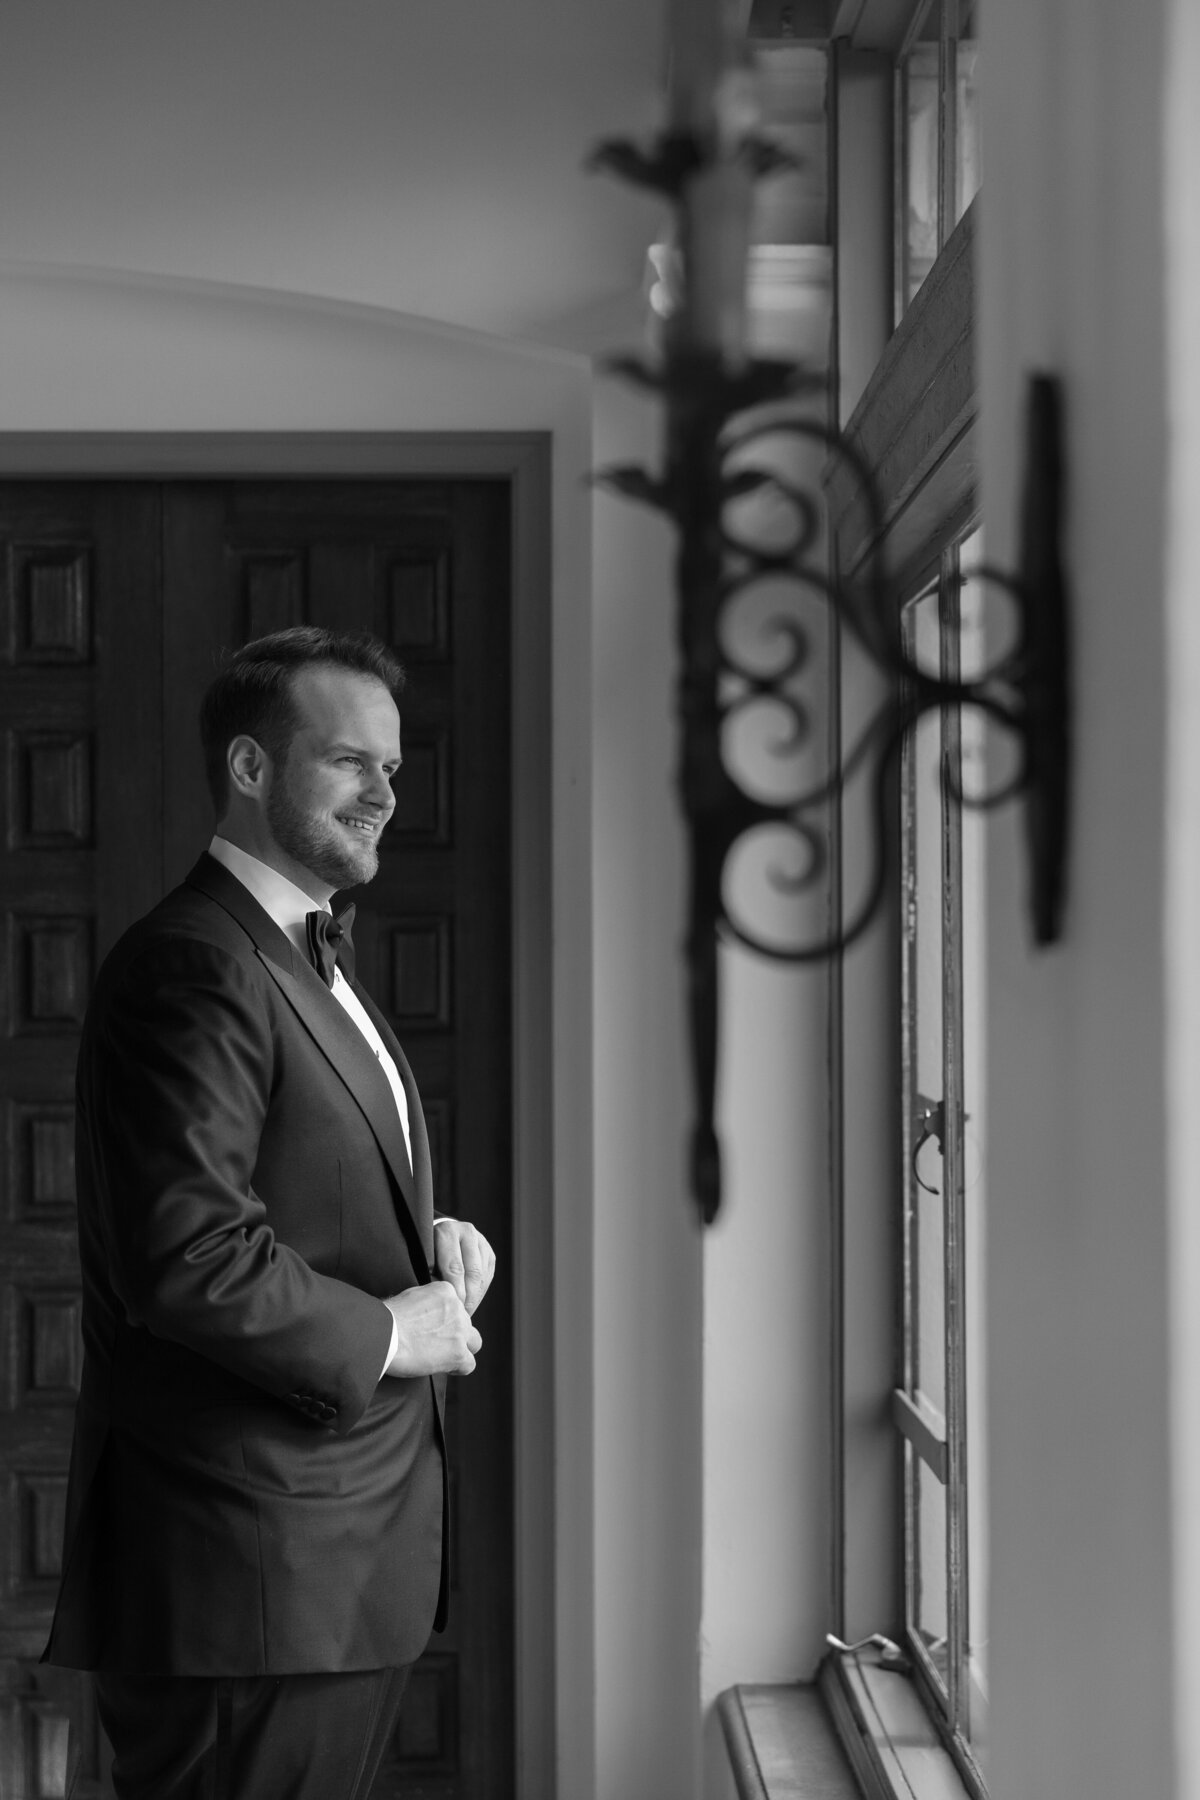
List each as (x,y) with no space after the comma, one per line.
(888,1736)
(782,1746)
(862,1732)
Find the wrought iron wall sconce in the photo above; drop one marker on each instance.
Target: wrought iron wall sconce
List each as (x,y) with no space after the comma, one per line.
(719,406)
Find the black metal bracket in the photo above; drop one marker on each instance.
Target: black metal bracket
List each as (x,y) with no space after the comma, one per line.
(713,428)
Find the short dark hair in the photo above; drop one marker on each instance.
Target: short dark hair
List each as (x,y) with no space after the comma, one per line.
(252,694)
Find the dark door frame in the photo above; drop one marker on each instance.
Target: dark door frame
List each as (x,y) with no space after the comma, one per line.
(523,459)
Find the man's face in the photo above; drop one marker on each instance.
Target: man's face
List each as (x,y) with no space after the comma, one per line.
(330,796)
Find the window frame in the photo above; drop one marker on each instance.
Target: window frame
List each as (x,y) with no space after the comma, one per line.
(915,426)
(950,16)
(944,1452)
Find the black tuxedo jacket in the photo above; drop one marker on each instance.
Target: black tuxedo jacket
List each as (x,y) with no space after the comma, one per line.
(246,1495)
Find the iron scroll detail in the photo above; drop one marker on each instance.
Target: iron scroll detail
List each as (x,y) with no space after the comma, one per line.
(719,421)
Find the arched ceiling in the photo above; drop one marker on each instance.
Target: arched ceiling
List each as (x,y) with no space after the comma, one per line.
(409,154)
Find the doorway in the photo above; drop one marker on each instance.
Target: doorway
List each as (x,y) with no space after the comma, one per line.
(91,688)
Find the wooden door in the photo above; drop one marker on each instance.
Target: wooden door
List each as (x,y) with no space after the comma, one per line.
(425,565)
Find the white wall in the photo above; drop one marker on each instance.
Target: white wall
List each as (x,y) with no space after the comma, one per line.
(766,1339)
(712,1349)
(1181,138)
(767,1260)
(866,1073)
(1072,281)
(647,1244)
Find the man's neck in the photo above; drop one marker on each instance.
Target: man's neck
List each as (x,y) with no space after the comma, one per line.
(264,848)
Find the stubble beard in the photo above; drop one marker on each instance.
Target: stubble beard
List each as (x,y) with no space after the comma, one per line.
(315,844)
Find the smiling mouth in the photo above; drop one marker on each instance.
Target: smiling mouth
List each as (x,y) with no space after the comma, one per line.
(364,827)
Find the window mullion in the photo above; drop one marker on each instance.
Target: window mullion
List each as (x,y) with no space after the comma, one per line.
(952,1189)
(909,1297)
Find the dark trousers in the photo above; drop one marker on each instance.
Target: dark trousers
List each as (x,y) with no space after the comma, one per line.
(262,1737)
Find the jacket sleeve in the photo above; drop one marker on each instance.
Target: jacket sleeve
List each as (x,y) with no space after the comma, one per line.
(175,1080)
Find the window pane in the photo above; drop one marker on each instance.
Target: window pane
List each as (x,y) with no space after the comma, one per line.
(968,157)
(919,87)
(931,1615)
(939,150)
(944,875)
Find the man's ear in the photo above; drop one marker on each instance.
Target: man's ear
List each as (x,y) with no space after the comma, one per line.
(249,766)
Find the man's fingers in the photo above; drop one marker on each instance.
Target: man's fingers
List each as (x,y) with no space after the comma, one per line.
(480,1265)
(474,1286)
(472,1343)
(465,1260)
(449,1261)
(468,1345)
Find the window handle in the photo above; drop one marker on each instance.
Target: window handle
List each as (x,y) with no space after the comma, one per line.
(931,1123)
(890,1654)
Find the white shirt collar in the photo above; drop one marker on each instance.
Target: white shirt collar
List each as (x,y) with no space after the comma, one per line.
(287,904)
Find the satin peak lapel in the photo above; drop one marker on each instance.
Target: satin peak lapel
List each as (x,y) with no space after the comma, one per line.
(213,879)
(338,1038)
(336,1034)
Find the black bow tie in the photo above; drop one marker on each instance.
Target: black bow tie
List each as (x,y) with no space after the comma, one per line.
(329,942)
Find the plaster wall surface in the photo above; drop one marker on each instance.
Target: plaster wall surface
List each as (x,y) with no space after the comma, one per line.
(766,1327)
(1072,281)
(648,1252)
(865,999)
(1181,149)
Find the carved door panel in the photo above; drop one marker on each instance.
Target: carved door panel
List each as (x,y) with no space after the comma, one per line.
(117,602)
(80,854)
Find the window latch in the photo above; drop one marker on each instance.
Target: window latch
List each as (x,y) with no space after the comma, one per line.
(930,1123)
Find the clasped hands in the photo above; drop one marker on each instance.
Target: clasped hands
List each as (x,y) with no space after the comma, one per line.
(434,1333)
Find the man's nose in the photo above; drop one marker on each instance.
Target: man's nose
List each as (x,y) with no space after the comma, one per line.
(379,792)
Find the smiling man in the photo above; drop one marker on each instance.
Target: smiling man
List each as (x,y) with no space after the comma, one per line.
(256,1519)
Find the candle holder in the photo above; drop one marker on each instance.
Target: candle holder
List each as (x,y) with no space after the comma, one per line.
(721,408)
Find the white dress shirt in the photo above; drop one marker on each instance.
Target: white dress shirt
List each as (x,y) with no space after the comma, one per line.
(289,906)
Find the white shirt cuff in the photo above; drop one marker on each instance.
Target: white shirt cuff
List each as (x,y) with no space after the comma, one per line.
(393,1346)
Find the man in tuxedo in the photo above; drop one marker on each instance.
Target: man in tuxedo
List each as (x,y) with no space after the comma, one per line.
(255,1546)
